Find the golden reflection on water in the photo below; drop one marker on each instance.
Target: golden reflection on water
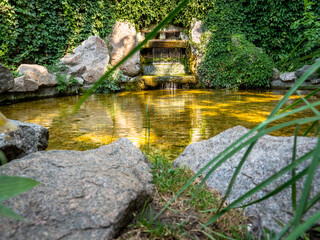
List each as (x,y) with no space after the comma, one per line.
(178,117)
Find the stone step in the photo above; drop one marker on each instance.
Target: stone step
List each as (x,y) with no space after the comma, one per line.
(154,81)
(164,69)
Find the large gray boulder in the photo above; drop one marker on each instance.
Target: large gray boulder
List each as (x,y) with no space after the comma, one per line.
(37,73)
(122,41)
(6,79)
(89,61)
(82,195)
(28,138)
(269,155)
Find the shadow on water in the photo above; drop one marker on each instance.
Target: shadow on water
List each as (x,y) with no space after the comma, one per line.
(178,117)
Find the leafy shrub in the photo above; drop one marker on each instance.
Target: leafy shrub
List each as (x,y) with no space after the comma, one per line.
(43,31)
(229,59)
(111,84)
(145,12)
(238,63)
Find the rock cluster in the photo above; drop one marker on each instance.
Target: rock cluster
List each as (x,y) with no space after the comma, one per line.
(288,79)
(82,195)
(269,155)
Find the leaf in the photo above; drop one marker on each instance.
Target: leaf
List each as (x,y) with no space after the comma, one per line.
(12,186)
(8,213)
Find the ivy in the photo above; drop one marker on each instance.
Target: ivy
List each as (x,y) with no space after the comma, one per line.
(230,60)
(43,31)
(143,13)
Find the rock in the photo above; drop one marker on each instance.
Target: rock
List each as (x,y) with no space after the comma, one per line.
(302,70)
(6,79)
(196,31)
(27,139)
(24,84)
(82,195)
(38,73)
(278,84)
(288,76)
(269,155)
(89,60)
(315,81)
(276,74)
(122,41)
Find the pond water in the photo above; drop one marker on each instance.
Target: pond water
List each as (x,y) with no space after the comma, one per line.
(177,117)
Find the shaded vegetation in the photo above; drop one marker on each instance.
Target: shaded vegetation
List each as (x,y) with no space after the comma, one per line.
(43,31)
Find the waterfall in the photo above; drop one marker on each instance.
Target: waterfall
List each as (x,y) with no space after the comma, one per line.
(166,55)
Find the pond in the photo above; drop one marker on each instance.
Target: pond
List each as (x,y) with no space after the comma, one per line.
(177,117)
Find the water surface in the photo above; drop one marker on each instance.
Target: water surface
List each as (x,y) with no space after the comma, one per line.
(177,117)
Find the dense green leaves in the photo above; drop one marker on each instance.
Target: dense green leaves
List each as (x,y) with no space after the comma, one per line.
(145,12)
(43,31)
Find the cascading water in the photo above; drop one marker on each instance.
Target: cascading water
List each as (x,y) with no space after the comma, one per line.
(164,61)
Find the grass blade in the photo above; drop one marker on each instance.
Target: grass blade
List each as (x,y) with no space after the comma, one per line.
(307,186)
(294,88)
(8,213)
(12,186)
(260,186)
(3,158)
(293,172)
(310,128)
(279,189)
(299,101)
(307,103)
(236,173)
(149,36)
(304,227)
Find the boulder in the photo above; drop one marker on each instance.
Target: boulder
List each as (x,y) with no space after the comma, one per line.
(89,60)
(28,138)
(82,195)
(269,155)
(122,41)
(24,84)
(288,76)
(275,75)
(278,84)
(38,73)
(196,31)
(302,70)
(6,79)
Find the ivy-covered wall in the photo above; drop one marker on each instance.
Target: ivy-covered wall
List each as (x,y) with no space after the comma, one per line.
(142,13)
(42,31)
(250,37)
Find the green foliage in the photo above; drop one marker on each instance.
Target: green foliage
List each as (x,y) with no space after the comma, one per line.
(111,83)
(43,31)
(62,79)
(309,39)
(63,83)
(279,26)
(10,187)
(142,13)
(232,61)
